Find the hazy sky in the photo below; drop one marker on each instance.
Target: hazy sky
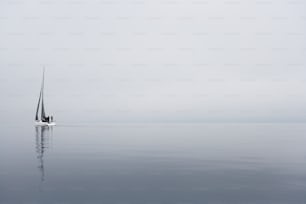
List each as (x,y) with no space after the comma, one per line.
(154,60)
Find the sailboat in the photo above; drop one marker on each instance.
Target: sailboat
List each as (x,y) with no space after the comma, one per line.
(44,120)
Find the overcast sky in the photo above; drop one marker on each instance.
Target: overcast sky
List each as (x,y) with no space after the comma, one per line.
(154,60)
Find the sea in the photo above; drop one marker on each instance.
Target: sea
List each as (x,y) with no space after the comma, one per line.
(153,163)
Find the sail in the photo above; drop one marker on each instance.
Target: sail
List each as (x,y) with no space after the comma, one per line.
(43,114)
(37,109)
(40,97)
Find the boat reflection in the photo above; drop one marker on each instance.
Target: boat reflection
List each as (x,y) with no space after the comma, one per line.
(43,137)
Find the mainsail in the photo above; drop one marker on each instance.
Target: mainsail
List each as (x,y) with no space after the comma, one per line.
(43,114)
(41,98)
(37,109)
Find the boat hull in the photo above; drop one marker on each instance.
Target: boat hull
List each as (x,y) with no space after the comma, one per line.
(41,123)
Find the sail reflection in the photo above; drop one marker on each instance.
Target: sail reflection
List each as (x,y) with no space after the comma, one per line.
(42,137)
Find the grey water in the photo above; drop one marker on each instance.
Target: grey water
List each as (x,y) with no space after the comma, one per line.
(154,163)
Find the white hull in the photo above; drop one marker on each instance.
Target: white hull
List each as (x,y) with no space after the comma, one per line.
(40,123)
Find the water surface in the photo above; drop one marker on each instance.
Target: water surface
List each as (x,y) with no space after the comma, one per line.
(153,163)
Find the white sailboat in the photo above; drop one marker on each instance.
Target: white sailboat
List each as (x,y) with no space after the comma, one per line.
(44,120)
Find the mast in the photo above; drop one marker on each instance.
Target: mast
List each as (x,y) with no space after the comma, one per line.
(40,96)
(43,114)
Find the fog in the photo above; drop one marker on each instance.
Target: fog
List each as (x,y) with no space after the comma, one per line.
(154,61)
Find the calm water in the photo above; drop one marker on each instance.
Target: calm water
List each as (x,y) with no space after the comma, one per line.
(154,163)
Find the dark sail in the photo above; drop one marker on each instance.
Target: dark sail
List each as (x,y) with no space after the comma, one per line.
(40,97)
(37,109)
(43,114)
